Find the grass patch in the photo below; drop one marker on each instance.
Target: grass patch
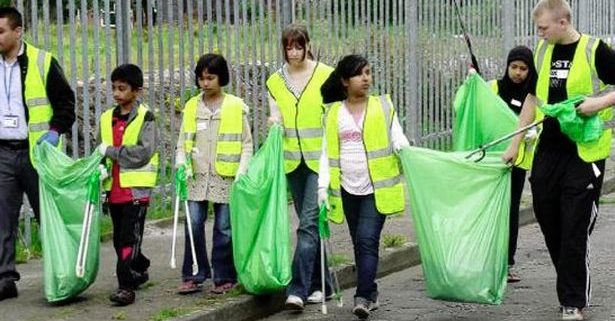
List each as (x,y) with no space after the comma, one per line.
(23,254)
(338,259)
(168,313)
(393,240)
(119,316)
(606,200)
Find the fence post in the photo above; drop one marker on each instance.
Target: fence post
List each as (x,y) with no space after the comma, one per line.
(412,70)
(583,20)
(508,25)
(287,12)
(123,27)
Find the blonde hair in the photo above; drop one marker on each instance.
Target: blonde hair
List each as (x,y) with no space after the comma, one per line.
(558,8)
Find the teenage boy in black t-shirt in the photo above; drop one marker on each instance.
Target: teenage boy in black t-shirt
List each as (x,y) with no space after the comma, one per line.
(567,177)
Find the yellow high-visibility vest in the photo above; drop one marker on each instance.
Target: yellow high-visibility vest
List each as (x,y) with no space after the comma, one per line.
(582,80)
(383,165)
(230,131)
(145,176)
(302,118)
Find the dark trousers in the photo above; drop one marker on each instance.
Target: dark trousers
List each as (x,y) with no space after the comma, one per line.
(128,224)
(222,246)
(365,225)
(303,183)
(565,191)
(16,177)
(517,180)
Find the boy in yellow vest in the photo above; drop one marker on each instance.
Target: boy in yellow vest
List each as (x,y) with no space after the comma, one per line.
(129,136)
(566,176)
(215,145)
(360,176)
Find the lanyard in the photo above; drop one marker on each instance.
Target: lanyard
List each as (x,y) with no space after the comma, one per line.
(7,88)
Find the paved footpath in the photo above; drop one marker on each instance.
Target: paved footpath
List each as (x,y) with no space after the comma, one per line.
(403,294)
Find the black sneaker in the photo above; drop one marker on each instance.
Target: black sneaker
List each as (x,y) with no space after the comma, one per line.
(123,297)
(142,278)
(8,290)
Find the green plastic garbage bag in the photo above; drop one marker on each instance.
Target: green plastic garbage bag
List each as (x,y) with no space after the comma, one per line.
(578,128)
(460,211)
(63,187)
(481,116)
(259,220)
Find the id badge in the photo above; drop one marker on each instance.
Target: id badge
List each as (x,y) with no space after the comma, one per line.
(10,121)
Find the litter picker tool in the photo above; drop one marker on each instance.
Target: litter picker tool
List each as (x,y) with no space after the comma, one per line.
(93,196)
(181,194)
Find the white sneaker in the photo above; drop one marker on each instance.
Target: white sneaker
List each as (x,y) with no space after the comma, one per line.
(374,305)
(316,297)
(294,303)
(571,313)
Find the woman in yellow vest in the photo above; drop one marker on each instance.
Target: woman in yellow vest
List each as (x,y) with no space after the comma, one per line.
(214,145)
(296,103)
(518,80)
(360,176)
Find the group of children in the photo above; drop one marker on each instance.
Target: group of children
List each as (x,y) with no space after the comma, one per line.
(348,165)
(340,149)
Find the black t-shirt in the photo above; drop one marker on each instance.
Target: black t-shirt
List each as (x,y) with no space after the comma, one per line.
(552,137)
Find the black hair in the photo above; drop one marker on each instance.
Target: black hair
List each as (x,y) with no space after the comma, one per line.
(296,34)
(333,89)
(13,15)
(130,74)
(214,64)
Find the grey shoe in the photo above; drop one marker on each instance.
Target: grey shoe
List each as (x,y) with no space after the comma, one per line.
(361,308)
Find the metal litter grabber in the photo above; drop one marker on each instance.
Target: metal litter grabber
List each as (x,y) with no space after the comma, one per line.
(325,233)
(482,149)
(181,193)
(93,196)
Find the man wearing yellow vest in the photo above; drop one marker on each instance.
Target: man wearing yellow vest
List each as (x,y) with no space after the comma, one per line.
(295,101)
(566,177)
(129,139)
(36,104)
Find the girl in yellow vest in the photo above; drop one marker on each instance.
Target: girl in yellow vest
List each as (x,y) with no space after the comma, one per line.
(296,103)
(360,175)
(214,145)
(518,80)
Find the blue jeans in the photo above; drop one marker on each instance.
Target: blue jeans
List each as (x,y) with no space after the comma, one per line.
(365,225)
(222,251)
(303,183)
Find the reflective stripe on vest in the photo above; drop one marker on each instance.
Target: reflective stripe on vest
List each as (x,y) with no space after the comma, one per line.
(35,95)
(302,118)
(145,176)
(582,80)
(383,165)
(230,132)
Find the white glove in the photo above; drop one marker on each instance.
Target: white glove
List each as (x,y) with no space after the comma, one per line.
(531,134)
(102,148)
(189,173)
(323,198)
(180,160)
(103,172)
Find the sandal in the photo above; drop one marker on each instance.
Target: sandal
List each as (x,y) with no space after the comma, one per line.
(223,288)
(189,287)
